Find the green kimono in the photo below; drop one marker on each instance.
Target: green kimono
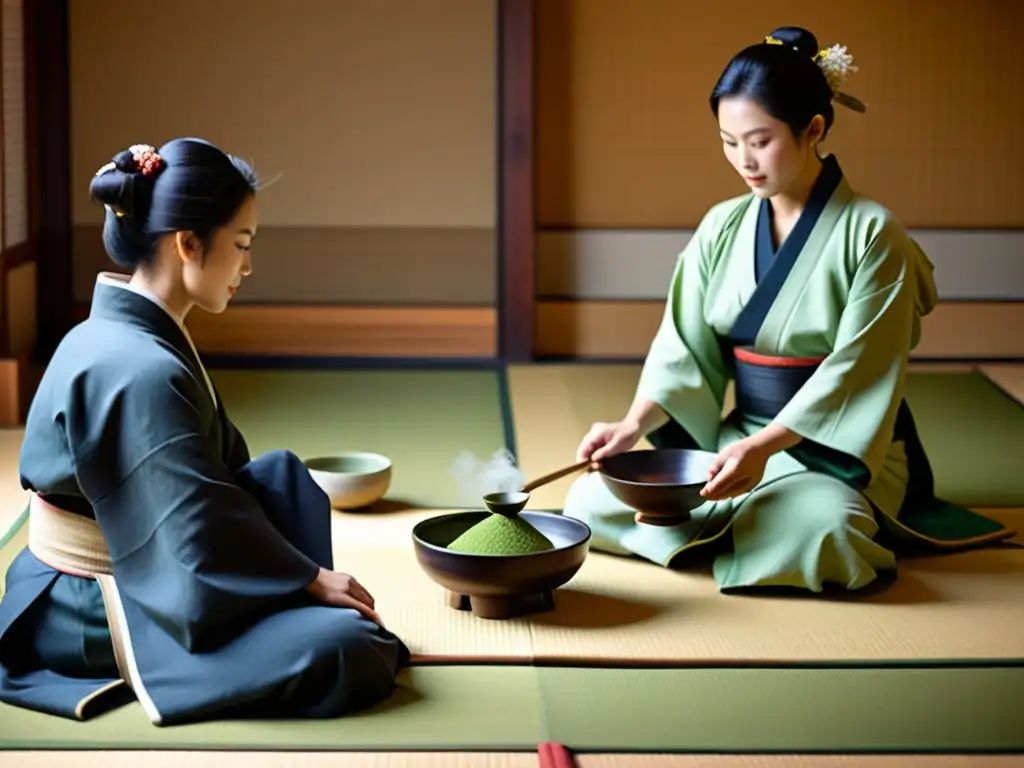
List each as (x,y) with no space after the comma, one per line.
(830,317)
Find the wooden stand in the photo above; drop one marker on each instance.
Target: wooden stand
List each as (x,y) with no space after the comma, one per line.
(503,606)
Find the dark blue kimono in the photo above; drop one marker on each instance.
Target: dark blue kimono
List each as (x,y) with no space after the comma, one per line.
(211,551)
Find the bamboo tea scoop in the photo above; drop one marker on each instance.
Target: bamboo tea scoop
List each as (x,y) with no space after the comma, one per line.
(510,503)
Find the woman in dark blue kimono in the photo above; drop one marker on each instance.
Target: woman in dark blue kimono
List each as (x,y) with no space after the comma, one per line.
(162,562)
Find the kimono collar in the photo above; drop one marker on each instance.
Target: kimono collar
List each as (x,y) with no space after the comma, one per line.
(114,298)
(121,281)
(772,267)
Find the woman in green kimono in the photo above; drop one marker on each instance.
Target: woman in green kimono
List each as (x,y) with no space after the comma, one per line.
(810,297)
(163,563)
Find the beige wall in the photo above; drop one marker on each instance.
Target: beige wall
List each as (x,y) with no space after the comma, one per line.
(375,117)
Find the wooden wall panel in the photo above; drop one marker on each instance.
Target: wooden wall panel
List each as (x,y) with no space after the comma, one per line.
(359,332)
(344,265)
(624,329)
(15,146)
(21,309)
(971,264)
(626,138)
(18,248)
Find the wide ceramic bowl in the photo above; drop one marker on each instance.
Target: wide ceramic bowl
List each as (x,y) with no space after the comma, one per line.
(351,480)
(490,585)
(663,485)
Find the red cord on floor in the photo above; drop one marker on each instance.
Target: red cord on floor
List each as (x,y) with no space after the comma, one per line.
(552,755)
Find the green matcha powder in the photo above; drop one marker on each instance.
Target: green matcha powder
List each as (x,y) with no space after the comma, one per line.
(501,535)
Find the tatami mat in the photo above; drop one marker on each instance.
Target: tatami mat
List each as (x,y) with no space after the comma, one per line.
(964,607)
(798,761)
(196,759)
(624,611)
(956,607)
(785,710)
(109,759)
(12,542)
(618,611)
(421,419)
(413,606)
(973,431)
(1009,378)
(553,408)
(471,708)
(502,709)
(13,497)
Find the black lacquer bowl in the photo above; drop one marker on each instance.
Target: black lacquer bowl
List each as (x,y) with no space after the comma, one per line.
(501,586)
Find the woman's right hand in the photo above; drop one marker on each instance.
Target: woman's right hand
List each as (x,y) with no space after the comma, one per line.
(604,440)
(343,591)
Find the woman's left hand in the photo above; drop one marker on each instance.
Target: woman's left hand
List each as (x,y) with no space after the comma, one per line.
(737,469)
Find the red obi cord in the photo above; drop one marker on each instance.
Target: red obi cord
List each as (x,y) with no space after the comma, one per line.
(770,361)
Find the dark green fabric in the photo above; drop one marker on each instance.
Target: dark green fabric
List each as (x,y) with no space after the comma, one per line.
(944,522)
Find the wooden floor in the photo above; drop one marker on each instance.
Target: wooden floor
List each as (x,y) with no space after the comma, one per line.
(12,502)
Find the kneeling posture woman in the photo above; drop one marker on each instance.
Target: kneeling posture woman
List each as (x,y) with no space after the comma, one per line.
(162,561)
(809,297)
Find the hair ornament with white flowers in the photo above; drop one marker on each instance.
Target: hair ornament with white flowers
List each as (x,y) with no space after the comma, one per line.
(837,65)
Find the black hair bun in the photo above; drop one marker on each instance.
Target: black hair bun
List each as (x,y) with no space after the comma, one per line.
(124,161)
(797,38)
(117,185)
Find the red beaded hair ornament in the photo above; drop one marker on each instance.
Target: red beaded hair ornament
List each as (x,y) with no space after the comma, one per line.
(147,161)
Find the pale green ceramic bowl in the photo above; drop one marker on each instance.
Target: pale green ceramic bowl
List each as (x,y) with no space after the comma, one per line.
(352,480)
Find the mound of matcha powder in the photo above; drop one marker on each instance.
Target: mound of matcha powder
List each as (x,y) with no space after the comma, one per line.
(501,535)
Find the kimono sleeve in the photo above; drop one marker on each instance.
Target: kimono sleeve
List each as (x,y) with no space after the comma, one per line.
(851,402)
(236,450)
(189,546)
(684,372)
